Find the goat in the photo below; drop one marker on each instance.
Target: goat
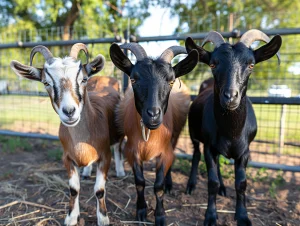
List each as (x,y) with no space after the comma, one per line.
(222,117)
(86,109)
(151,104)
(205,89)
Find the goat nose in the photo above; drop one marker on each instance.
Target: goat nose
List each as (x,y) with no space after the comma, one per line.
(69,112)
(231,94)
(153,112)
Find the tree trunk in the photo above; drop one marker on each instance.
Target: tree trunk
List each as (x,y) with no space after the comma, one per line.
(71,18)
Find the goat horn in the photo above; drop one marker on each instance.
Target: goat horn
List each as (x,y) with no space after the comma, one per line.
(215,37)
(172,52)
(256,35)
(43,50)
(76,49)
(136,49)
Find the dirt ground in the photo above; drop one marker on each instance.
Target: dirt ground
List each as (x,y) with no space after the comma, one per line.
(34,191)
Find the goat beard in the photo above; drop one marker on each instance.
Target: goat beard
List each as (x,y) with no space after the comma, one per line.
(146,138)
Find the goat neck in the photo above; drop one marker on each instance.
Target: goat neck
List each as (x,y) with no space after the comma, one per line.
(230,123)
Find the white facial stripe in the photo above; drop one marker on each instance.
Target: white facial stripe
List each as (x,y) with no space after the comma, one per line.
(65,76)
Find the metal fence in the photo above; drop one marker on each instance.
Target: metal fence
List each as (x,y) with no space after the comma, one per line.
(26,110)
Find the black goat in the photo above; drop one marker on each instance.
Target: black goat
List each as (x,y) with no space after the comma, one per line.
(222,117)
(155,102)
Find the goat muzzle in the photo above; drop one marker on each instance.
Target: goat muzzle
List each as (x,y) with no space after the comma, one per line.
(143,127)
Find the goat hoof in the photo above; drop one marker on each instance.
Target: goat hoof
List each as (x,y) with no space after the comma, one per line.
(120,173)
(190,187)
(243,220)
(160,220)
(222,191)
(210,218)
(71,220)
(168,188)
(85,177)
(141,215)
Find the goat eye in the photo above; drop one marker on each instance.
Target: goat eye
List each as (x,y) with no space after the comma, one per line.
(132,81)
(46,83)
(212,66)
(84,80)
(251,66)
(172,83)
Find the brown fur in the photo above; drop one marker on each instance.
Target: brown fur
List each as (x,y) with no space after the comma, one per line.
(89,141)
(163,140)
(207,84)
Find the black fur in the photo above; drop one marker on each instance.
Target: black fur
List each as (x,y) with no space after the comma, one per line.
(222,118)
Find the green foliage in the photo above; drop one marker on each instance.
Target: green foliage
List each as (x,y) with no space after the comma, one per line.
(55,154)
(202,16)
(261,175)
(278,181)
(111,17)
(13,144)
(182,165)
(6,175)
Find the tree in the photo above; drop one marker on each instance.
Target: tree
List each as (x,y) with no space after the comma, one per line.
(107,15)
(225,15)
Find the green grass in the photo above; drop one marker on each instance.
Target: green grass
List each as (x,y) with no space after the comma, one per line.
(20,112)
(55,154)
(12,144)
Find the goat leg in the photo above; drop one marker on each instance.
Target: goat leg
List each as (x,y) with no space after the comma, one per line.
(87,172)
(160,215)
(193,175)
(241,215)
(141,206)
(74,184)
(222,189)
(99,191)
(213,187)
(168,182)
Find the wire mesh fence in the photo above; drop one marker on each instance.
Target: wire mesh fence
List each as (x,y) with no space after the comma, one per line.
(26,108)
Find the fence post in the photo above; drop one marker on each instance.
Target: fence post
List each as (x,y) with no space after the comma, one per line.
(282,129)
(125,76)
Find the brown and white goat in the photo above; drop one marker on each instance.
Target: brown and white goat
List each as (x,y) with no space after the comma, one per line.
(155,102)
(86,110)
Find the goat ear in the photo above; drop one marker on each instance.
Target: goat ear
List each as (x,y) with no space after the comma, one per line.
(26,71)
(95,66)
(204,56)
(187,65)
(267,51)
(120,59)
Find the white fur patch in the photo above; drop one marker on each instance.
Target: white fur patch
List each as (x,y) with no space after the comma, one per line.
(100,181)
(100,184)
(75,184)
(87,171)
(74,181)
(101,219)
(73,217)
(119,160)
(62,70)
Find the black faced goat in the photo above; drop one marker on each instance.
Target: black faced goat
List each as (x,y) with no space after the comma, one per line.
(222,117)
(155,102)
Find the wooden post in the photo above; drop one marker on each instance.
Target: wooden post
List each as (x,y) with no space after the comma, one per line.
(282,129)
